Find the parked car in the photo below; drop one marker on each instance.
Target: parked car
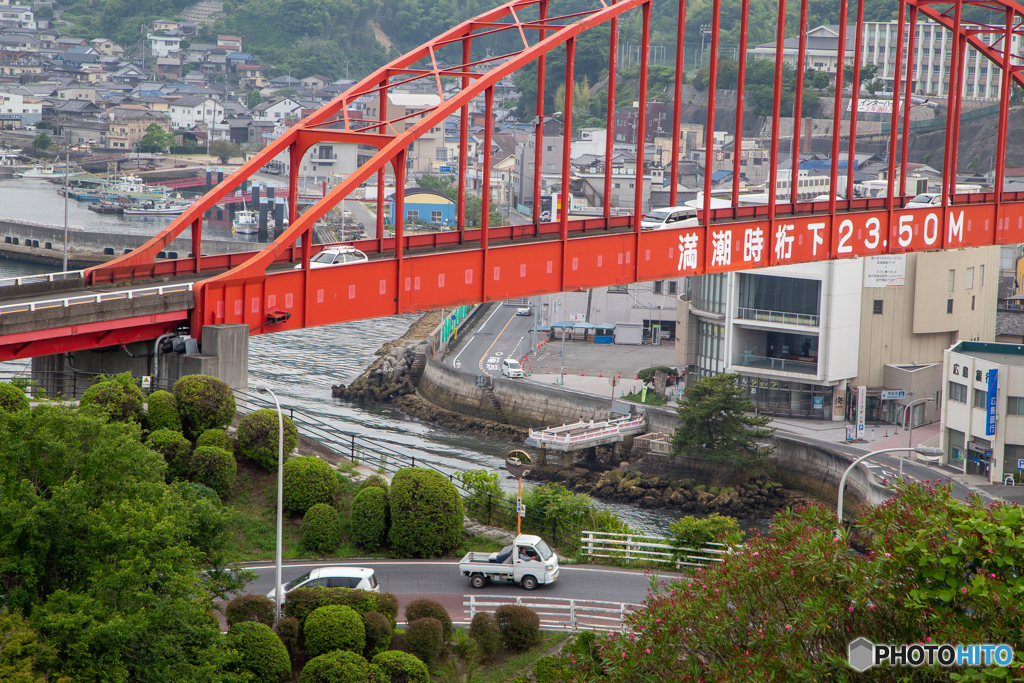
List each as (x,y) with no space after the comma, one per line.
(511,368)
(925,200)
(332,577)
(336,256)
(672,217)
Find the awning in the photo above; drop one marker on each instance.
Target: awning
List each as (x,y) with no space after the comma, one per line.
(564,323)
(584,326)
(604,326)
(542,328)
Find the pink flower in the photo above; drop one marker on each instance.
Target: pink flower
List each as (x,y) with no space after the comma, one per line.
(888,555)
(757,554)
(788,627)
(850,608)
(623,655)
(647,650)
(928,639)
(963,590)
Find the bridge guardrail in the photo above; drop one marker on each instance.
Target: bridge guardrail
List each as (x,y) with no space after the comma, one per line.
(614,427)
(642,548)
(65,302)
(563,614)
(41,277)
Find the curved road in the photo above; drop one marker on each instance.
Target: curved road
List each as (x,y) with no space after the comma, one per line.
(502,334)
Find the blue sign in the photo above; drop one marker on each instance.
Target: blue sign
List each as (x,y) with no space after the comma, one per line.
(818,402)
(993,394)
(445,169)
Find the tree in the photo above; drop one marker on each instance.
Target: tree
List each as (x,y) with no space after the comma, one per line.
(225,151)
(713,422)
(820,80)
(867,73)
(42,141)
(156,139)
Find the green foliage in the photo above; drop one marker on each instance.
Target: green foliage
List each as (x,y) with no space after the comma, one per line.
(308,480)
(341,666)
(334,627)
(647,374)
(550,670)
(225,151)
(217,438)
(691,532)
(519,626)
(474,205)
(300,603)
(213,467)
(289,631)
(556,501)
(258,437)
(12,398)
(484,630)
(118,397)
(713,422)
(426,513)
(204,402)
(162,412)
(425,638)
(378,633)
(42,141)
(374,480)
(249,607)
(321,532)
(370,517)
(424,607)
(175,449)
(156,139)
(260,652)
(402,667)
(649,398)
(20,650)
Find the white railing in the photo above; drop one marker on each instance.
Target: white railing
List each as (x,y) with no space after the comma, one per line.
(641,548)
(95,298)
(41,277)
(778,317)
(593,431)
(564,614)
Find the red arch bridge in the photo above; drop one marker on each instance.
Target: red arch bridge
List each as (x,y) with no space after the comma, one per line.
(411,272)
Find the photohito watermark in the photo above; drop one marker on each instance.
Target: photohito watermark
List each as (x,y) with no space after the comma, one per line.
(863,654)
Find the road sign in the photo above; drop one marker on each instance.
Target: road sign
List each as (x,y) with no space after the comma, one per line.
(1020,464)
(445,169)
(893,395)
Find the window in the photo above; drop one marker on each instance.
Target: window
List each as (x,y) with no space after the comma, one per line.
(949,305)
(952,279)
(435,217)
(618,289)
(981,276)
(958,392)
(1015,405)
(673,287)
(972,302)
(980,398)
(658,284)
(969,280)
(414,215)
(877,307)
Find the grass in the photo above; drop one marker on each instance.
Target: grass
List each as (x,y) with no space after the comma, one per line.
(652,398)
(509,665)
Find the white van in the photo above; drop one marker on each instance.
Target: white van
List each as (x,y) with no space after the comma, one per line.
(669,218)
(510,367)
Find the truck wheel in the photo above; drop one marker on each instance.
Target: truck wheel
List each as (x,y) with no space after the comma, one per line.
(529,583)
(478,581)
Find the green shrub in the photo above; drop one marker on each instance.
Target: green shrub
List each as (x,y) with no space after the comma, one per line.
(214,467)
(484,630)
(176,449)
(334,627)
(12,398)
(424,607)
(374,480)
(369,518)
(301,602)
(249,607)
(426,514)
(162,412)
(402,667)
(694,532)
(258,439)
(308,480)
(218,438)
(341,666)
(204,402)
(378,633)
(519,626)
(289,631)
(260,652)
(118,397)
(320,530)
(550,670)
(425,638)
(647,374)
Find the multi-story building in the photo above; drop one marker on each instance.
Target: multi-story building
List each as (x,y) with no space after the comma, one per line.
(424,152)
(15,15)
(641,311)
(18,111)
(128,125)
(190,110)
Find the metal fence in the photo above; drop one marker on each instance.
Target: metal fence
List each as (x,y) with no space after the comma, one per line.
(561,614)
(641,548)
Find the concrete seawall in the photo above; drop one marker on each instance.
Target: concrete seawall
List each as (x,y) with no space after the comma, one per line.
(802,467)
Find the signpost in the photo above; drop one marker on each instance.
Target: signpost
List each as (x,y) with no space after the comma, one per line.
(990,402)
(862,409)
(519,464)
(893,395)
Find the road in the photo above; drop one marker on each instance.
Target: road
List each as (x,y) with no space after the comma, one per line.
(502,334)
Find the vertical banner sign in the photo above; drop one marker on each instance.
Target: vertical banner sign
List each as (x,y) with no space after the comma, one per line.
(992,397)
(862,409)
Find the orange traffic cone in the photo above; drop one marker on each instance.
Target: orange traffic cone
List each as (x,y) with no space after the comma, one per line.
(886,435)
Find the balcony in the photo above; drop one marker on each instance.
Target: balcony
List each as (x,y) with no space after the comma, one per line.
(789,364)
(778,317)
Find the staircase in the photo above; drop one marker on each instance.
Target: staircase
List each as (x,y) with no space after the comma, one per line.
(419,364)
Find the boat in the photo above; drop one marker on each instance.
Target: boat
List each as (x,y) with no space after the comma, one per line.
(246,222)
(157,208)
(107,207)
(132,186)
(50,171)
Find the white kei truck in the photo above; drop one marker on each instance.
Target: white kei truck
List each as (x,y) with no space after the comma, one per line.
(528,561)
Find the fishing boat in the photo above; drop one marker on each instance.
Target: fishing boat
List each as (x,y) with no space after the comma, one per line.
(165,207)
(246,222)
(50,171)
(134,187)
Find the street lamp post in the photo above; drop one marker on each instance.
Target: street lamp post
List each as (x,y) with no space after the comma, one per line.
(264,389)
(923,450)
(67,173)
(910,426)
(705,31)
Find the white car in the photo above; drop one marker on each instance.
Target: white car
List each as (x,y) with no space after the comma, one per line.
(524,311)
(331,577)
(672,217)
(511,368)
(336,256)
(925,201)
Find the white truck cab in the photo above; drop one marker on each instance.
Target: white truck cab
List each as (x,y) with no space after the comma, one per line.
(528,561)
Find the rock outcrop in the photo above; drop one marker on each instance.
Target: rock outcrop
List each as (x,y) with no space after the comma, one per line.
(390,376)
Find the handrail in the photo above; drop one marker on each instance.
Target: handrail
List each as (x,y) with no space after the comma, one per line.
(41,277)
(571,613)
(99,297)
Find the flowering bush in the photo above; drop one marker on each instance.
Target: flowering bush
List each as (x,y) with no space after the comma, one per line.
(786,606)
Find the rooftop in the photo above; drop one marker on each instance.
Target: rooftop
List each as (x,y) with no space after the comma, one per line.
(1001,354)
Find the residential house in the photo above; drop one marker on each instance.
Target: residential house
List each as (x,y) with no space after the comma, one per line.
(128,125)
(166,25)
(14,15)
(424,152)
(229,43)
(168,67)
(315,82)
(78,92)
(190,110)
(18,111)
(250,76)
(276,109)
(106,47)
(164,46)
(425,207)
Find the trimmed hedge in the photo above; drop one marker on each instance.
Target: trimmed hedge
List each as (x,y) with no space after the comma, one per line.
(484,630)
(321,532)
(176,449)
(550,670)
(424,607)
(117,396)
(426,514)
(341,666)
(162,412)
(308,480)
(369,518)
(425,638)
(301,602)
(374,480)
(214,467)
(378,633)
(258,439)
(249,607)
(260,652)
(12,398)
(218,438)
(289,631)
(334,627)
(204,402)
(520,626)
(402,667)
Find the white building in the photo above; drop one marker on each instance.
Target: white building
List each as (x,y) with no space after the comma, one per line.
(164,46)
(646,307)
(984,437)
(194,109)
(19,111)
(14,15)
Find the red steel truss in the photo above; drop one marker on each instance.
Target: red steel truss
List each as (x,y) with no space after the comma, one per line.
(421,272)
